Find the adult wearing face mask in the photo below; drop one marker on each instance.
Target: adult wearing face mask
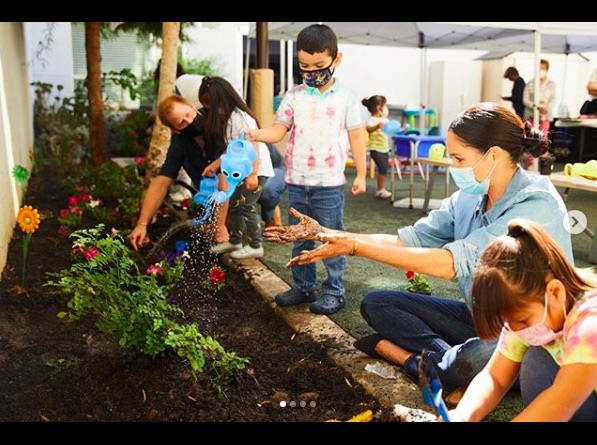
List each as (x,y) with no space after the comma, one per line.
(485,143)
(191,149)
(544,100)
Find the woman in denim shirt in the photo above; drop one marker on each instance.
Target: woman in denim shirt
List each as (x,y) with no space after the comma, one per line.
(485,143)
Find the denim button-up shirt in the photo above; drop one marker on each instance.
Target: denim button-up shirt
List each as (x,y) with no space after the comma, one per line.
(461,226)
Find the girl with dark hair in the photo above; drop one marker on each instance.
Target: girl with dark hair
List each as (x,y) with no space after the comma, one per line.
(227,115)
(485,143)
(379,142)
(544,311)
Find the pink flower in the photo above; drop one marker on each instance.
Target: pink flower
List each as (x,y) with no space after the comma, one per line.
(63,213)
(140,160)
(73,200)
(91,253)
(155,269)
(62,230)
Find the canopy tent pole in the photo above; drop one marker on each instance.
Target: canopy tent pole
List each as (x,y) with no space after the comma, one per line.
(246,73)
(423,84)
(290,63)
(282,78)
(563,107)
(537,35)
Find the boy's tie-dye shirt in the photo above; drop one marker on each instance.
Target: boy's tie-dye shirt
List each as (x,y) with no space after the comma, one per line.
(578,343)
(318,124)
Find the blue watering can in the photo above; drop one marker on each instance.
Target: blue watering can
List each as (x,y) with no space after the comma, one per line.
(392,128)
(236,165)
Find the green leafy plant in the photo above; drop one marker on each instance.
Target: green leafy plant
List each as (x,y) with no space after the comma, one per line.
(61,129)
(129,133)
(418,283)
(124,79)
(205,67)
(119,188)
(71,218)
(135,307)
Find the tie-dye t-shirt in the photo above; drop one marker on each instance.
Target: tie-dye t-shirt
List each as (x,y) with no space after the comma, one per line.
(318,124)
(578,343)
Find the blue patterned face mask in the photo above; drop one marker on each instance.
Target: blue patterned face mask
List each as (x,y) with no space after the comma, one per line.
(465,179)
(317,78)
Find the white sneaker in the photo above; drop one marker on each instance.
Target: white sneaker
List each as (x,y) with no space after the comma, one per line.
(247,252)
(383,194)
(177,197)
(225,247)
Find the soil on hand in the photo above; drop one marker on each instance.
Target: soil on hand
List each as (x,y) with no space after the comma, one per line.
(52,370)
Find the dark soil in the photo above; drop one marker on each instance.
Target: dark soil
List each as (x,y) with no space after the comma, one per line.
(52,370)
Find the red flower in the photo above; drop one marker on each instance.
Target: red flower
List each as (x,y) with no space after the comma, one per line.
(216,275)
(410,275)
(84,197)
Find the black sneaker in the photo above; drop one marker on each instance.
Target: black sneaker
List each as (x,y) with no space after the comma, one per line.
(327,305)
(295,296)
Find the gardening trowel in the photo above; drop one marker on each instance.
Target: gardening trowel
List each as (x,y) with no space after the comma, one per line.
(431,386)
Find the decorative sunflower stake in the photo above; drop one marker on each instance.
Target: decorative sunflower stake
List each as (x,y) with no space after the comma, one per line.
(28,219)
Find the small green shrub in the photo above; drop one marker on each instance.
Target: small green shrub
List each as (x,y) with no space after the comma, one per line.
(135,307)
(61,130)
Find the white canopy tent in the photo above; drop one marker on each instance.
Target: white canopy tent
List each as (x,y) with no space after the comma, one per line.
(497,38)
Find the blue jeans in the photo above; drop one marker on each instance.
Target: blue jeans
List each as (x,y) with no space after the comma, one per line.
(537,373)
(326,206)
(443,326)
(271,194)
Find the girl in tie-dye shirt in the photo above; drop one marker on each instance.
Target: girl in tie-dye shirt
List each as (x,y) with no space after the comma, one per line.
(545,312)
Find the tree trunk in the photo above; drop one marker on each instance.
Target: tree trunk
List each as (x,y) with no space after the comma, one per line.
(160,139)
(97,126)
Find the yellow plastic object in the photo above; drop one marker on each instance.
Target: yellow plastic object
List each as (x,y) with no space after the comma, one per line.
(365,416)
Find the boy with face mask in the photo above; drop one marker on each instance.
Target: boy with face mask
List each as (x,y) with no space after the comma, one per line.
(323,118)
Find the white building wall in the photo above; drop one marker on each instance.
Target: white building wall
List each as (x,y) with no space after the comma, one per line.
(16,127)
(223,43)
(50,62)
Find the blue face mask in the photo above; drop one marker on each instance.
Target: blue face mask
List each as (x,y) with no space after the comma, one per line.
(465,179)
(317,78)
